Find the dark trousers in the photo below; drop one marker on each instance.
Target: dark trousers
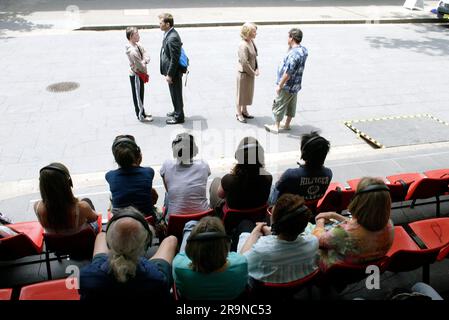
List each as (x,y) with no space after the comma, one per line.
(137,88)
(176,96)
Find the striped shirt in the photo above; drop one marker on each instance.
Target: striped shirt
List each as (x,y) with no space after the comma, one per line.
(280,261)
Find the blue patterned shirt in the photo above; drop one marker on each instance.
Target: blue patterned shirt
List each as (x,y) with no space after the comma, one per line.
(293,64)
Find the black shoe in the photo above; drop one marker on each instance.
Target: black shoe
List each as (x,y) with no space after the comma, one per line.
(170,114)
(174,121)
(247,116)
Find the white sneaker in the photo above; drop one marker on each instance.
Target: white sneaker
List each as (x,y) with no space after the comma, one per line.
(271,128)
(283,127)
(147,118)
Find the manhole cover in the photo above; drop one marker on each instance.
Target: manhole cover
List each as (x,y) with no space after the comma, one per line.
(63,86)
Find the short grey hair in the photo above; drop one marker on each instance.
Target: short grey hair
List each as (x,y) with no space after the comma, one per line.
(126,239)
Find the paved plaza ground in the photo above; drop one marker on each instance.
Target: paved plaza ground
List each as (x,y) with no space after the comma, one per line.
(360,66)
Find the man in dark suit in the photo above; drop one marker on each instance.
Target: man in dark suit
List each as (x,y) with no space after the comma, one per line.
(170,53)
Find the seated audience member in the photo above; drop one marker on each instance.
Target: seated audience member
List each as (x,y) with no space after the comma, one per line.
(185,179)
(59,212)
(207,270)
(131,184)
(420,291)
(248,185)
(119,271)
(4,219)
(367,236)
(281,253)
(312,178)
(6,232)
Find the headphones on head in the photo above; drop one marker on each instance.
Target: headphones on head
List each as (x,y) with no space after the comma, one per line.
(309,142)
(286,217)
(212,235)
(186,139)
(60,170)
(243,152)
(128,139)
(136,216)
(372,188)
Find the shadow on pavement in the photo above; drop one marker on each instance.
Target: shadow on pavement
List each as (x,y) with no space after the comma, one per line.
(12,21)
(435,43)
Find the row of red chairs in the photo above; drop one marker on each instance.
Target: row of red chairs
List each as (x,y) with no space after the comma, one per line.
(403,187)
(30,240)
(47,290)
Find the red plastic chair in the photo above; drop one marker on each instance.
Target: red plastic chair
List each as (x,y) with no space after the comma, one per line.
(434,233)
(283,291)
(341,274)
(422,187)
(29,241)
(5,294)
(232,217)
(406,255)
(79,245)
(49,290)
(336,198)
(176,222)
(398,189)
(440,174)
(408,178)
(427,188)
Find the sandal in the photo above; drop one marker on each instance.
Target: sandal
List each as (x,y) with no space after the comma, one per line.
(240,118)
(247,116)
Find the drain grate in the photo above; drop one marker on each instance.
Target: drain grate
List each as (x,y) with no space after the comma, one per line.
(398,131)
(63,86)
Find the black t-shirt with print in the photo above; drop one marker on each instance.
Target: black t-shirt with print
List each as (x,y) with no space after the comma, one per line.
(308,183)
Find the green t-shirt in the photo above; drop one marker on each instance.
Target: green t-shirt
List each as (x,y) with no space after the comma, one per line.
(224,285)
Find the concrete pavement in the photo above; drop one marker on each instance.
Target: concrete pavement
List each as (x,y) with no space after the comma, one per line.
(31,16)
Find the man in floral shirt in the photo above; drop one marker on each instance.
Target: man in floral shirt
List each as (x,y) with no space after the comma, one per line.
(288,82)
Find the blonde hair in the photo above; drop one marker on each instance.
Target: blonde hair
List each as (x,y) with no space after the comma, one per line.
(371,209)
(126,239)
(209,255)
(246,30)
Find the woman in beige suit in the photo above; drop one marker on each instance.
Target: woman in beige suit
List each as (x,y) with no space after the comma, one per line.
(247,71)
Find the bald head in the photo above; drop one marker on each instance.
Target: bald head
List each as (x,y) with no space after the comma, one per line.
(126,235)
(125,227)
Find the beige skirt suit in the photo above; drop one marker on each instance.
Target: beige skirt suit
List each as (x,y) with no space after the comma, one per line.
(246,72)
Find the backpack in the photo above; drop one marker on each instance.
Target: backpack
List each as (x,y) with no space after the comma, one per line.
(183,61)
